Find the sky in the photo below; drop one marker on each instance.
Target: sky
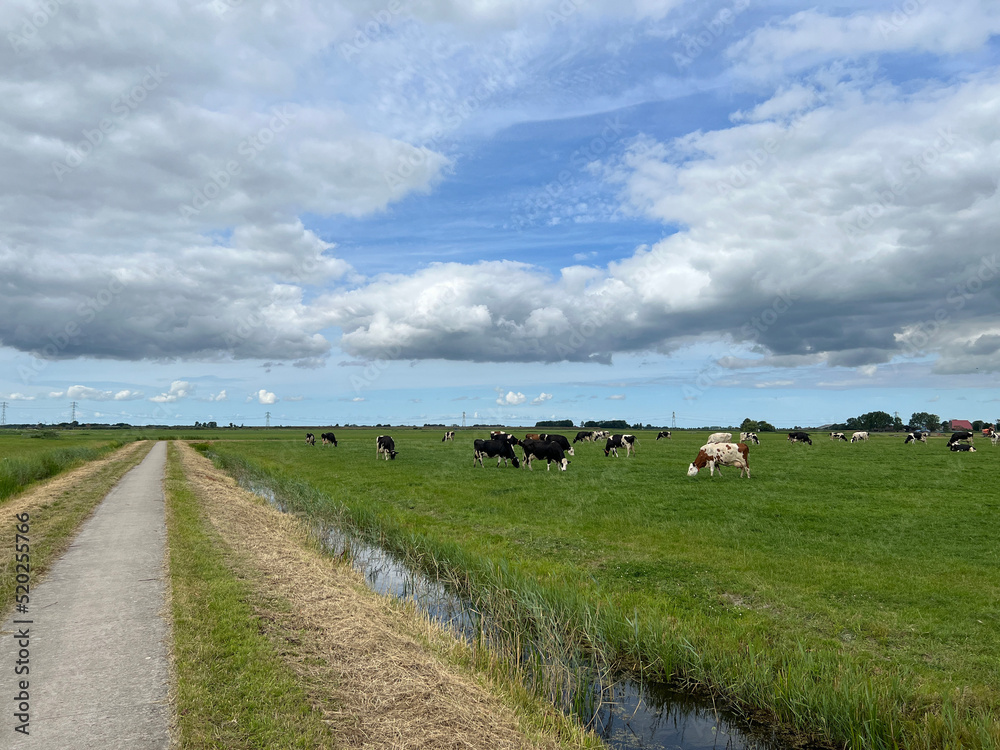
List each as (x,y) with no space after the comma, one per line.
(499,211)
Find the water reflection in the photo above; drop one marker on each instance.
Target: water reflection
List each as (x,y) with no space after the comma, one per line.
(626,714)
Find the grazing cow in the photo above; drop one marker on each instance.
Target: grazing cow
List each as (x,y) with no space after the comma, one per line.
(561,440)
(501,450)
(544,451)
(620,441)
(799,437)
(749,437)
(838,436)
(663,434)
(857,437)
(956,436)
(995,439)
(961,447)
(915,437)
(720,437)
(449,435)
(601,434)
(384,445)
(585,436)
(717,455)
(533,436)
(328,438)
(310,439)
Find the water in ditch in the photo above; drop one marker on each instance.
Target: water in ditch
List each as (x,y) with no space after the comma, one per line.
(626,714)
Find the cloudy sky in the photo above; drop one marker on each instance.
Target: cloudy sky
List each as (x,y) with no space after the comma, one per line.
(406,210)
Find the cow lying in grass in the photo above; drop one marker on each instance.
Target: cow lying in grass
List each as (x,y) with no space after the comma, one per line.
(717,455)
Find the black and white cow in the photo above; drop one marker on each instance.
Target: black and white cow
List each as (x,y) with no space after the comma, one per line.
(956,436)
(329,438)
(749,437)
(385,446)
(601,434)
(916,437)
(585,435)
(310,439)
(962,447)
(620,441)
(838,436)
(501,450)
(561,440)
(799,437)
(544,451)
(449,435)
(663,434)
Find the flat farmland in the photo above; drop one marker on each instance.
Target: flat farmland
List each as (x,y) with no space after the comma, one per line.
(852,590)
(29,456)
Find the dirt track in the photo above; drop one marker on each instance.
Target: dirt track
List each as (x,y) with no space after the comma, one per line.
(360,657)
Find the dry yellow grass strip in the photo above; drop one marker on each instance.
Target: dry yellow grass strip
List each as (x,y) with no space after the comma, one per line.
(359,656)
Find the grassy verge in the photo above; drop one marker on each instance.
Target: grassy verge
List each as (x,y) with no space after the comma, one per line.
(55,515)
(21,467)
(847,590)
(233,689)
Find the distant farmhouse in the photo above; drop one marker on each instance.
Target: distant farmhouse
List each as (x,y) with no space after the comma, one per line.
(961,424)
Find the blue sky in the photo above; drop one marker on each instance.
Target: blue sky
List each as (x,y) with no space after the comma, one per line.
(397,212)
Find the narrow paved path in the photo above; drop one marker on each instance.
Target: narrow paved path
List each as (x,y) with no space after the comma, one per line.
(97,636)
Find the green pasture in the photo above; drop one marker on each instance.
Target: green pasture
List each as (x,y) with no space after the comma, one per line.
(30,455)
(852,590)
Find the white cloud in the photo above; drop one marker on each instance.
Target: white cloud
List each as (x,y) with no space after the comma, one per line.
(179,389)
(617,397)
(265,397)
(86,393)
(220,396)
(510,398)
(541,399)
(20,397)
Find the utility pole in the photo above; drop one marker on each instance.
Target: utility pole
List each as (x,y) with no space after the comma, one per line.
(673,420)
(73,416)
(463,419)
(3,415)
(267,424)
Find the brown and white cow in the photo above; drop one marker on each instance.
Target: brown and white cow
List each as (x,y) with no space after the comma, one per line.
(720,437)
(717,455)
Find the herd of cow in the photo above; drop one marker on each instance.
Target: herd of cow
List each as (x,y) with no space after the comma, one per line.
(719,451)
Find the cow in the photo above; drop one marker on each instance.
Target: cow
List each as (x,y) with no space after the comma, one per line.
(310,439)
(385,446)
(663,434)
(584,435)
(838,436)
(961,447)
(799,437)
(916,436)
(561,440)
(449,435)
(544,451)
(749,437)
(620,441)
(501,450)
(601,434)
(995,439)
(717,455)
(329,438)
(533,436)
(956,436)
(857,437)
(720,437)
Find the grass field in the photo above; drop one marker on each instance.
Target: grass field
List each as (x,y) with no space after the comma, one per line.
(28,456)
(847,589)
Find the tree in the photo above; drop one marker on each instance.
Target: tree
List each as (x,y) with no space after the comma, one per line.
(763,426)
(924,421)
(749,425)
